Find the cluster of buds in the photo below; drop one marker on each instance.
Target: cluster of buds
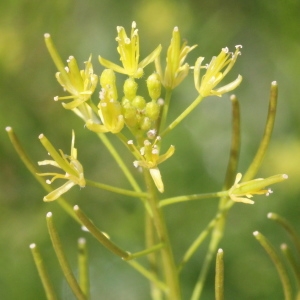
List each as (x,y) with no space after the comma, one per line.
(139,115)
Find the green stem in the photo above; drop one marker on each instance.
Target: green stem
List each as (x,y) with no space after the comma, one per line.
(260,154)
(145,252)
(224,204)
(50,294)
(153,258)
(185,198)
(56,243)
(288,227)
(198,241)
(292,261)
(83,269)
(182,116)
(116,189)
(278,264)
(149,275)
(33,170)
(219,279)
(169,267)
(119,161)
(163,117)
(99,235)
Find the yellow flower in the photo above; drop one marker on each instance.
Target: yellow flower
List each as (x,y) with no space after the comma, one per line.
(176,70)
(68,163)
(80,84)
(149,158)
(129,50)
(241,192)
(217,69)
(110,110)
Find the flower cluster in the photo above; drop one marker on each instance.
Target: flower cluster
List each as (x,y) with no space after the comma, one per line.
(141,116)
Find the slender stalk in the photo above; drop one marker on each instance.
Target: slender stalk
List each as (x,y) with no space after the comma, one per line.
(163,117)
(83,270)
(33,170)
(149,275)
(198,241)
(260,154)
(153,258)
(288,227)
(224,204)
(99,235)
(286,285)
(145,252)
(119,161)
(292,261)
(56,243)
(116,189)
(50,294)
(168,263)
(185,198)
(219,278)
(184,114)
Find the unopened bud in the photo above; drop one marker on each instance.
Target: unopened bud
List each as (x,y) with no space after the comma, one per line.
(154,86)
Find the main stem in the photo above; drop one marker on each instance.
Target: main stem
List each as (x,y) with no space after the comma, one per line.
(169,268)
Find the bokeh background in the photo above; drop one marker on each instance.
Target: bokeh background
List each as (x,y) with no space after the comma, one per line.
(270,34)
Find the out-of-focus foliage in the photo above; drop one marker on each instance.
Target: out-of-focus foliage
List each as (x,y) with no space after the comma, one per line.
(270,34)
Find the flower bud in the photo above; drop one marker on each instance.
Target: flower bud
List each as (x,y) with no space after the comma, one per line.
(108,82)
(145,123)
(130,88)
(154,86)
(139,102)
(152,110)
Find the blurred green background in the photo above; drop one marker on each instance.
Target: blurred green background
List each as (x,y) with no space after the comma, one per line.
(270,34)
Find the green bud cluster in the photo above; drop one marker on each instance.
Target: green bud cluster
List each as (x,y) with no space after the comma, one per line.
(140,115)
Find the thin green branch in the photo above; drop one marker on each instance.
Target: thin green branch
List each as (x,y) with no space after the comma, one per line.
(116,189)
(288,227)
(145,252)
(292,261)
(83,269)
(224,204)
(198,241)
(153,258)
(193,197)
(286,285)
(99,235)
(219,277)
(235,144)
(33,170)
(50,294)
(56,243)
(260,154)
(164,112)
(119,161)
(148,275)
(182,116)
(169,267)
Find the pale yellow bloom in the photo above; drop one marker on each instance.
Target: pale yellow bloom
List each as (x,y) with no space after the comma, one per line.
(129,50)
(217,69)
(149,158)
(176,70)
(242,192)
(68,163)
(110,111)
(81,84)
